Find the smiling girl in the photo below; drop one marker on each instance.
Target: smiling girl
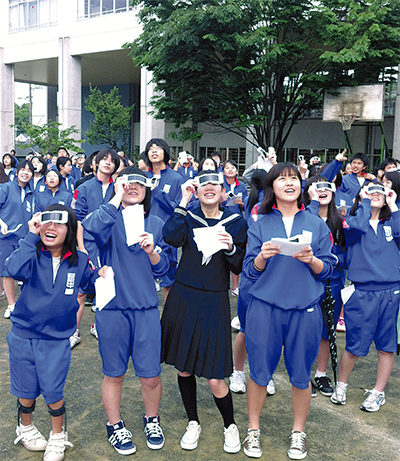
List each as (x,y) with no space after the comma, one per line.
(129,325)
(42,322)
(284,304)
(372,234)
(196,334)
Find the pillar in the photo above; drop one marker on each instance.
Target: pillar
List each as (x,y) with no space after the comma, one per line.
(6,105)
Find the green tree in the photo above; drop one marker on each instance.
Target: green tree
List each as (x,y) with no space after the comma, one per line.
(49,137)
(111,124)
(21,116)
(254,67)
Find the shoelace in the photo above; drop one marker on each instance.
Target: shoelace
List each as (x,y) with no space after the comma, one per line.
(340,391)
(253,439)
(32,434)
(153,429)
(236,378)
(373,397)
(297,440)
(122,435)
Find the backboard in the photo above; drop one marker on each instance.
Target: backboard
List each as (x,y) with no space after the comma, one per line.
(365,102)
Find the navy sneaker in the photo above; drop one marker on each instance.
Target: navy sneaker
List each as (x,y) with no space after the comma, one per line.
(153,431)
(120,438)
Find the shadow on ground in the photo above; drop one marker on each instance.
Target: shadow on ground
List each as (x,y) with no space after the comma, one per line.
(333,433)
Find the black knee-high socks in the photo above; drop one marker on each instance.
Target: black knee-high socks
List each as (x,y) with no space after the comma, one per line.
(187,387)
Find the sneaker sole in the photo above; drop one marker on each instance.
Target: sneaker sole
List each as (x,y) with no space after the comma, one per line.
(125,452)
(232,449)
(326,394)
(237,392)
(297,456)
(192,446)
(338,402)
(373,411)
(155,446)
(250,454)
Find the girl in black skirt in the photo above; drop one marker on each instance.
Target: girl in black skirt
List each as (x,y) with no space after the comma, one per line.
(196,333)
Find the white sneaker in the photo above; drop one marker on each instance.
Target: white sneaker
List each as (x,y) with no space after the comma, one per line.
(232,439)
(93,331)
(271,387)
(56,446)
(237,382)
(373,401)
(235,323)
(9,309)
(191,437)
(339,395)
(298,445)
(75,339)
(235,292)
(30,438)
(252,444)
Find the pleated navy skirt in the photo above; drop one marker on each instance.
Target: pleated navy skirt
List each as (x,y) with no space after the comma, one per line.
(196,332)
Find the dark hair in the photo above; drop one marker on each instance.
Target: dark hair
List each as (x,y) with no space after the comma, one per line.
(3,176)
(87,167)
(394,177)
(338,178)
(315,169)
(145,159)
(158,142)
(345,163)
(53,170)
(61,161)
(257,183)
(202,163)
(232,162)
(63,148)
(44,164)
(104,153)
(213,154)
(70,242)
(25,163)
(334,221)
(385,210)
(147,198)
(360,156)
(269,196)
(389,161)
(12,159)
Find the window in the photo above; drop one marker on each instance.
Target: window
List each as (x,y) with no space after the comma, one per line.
(29,14)
(93,8)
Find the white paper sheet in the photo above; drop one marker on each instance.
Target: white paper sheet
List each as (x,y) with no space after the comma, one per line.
(207,240)
(231,201)
(290,247)
(105,289)
(264,164)
(134,223)
(346,292)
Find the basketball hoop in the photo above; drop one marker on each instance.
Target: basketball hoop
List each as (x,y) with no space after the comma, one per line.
(346,121)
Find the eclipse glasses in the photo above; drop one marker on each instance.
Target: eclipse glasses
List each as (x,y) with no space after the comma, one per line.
(56,217)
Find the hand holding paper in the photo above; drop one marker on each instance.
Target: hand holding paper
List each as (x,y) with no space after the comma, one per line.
(105,287)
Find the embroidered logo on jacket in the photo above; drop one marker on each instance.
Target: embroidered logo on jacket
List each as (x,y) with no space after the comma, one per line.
(388,233)
(69,287)
(167,188)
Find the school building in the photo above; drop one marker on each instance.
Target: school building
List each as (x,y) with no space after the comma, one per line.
(66,45)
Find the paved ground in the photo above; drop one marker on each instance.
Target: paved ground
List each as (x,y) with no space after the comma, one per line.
(333,433)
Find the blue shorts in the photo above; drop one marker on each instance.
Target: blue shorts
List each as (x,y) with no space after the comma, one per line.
(268,328)
(130,333)
(6,248)
(371,316)
(38,366)
(243,300)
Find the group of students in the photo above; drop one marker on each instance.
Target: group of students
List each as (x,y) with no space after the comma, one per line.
(194,333)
